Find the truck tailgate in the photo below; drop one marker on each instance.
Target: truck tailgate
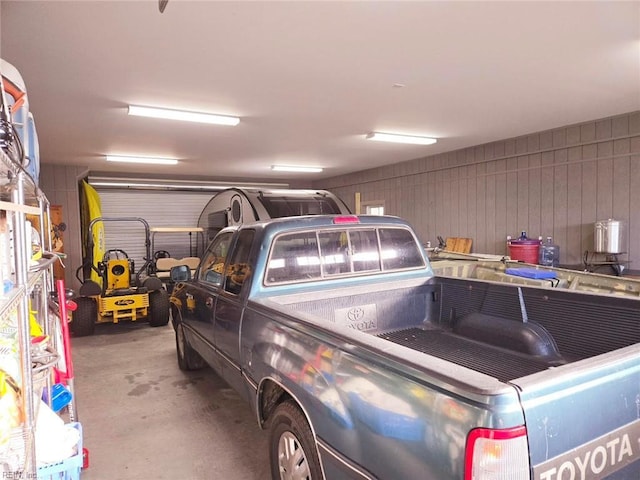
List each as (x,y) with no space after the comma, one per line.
(583,419)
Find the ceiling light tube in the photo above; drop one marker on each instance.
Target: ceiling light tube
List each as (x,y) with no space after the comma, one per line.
(143,183)
(395,138)
(295,168)
(183,115)
(155,186)
(150,160)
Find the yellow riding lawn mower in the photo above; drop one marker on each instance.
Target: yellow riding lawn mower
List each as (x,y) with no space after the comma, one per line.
(112,292)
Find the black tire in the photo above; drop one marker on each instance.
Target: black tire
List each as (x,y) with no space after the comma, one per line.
(188,358)
(158,308)
(292,450)
(83,320)
(152,284)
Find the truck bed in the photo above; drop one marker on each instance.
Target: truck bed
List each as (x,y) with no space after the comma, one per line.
(500,363)
(504,331)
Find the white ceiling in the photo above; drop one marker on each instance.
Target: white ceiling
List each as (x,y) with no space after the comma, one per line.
(310,79)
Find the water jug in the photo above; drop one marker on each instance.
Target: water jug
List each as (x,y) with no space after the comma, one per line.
(549,254)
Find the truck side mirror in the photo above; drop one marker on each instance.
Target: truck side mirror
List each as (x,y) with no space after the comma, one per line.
(180,273)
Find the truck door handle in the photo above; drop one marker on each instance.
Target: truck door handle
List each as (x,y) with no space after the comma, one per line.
(209,302)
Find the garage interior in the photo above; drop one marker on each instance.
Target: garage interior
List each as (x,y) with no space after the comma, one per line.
(535,107)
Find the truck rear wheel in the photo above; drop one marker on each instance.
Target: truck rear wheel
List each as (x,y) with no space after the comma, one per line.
(292,450)
(84,318)
(158,308)
(188,358)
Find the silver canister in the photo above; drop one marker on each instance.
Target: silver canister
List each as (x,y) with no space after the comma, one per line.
(610,236)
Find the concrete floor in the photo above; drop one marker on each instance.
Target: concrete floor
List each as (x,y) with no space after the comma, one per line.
(143,418)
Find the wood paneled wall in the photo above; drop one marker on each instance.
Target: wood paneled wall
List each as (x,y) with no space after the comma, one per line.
(60,185)
(554,183)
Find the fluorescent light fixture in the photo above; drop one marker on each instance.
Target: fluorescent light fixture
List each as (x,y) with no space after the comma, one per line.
(154,161)
(392,137)
(154,112)
(157,186)
(144,183)
(295,168)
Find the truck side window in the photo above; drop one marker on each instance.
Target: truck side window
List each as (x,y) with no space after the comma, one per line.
(238,270)
(212,265)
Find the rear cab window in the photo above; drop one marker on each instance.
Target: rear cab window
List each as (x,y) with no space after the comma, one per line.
(314,255)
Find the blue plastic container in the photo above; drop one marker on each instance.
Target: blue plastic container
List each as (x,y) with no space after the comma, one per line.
(60,397)
(531,273)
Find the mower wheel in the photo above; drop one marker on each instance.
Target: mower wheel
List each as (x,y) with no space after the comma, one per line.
(152,284)
(158,308)
(84,318)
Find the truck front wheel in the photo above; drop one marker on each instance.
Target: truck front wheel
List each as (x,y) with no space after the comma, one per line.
(188,358)
(292,449)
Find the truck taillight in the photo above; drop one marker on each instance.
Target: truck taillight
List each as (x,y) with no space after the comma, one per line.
(497,454)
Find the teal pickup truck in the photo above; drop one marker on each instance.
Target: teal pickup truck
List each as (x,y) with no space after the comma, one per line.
(363,364)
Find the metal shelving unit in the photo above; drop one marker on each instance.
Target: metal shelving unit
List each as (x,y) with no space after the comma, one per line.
(19,196)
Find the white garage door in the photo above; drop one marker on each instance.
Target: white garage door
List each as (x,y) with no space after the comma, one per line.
(159,209)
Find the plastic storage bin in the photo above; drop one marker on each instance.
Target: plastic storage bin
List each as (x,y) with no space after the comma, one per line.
(67,469)
(524,249)
(60,396)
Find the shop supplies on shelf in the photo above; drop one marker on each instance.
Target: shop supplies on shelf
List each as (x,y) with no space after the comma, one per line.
(9,354)
(11,420)
(10,411)
(68,468)
(55,440)
(21,118)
